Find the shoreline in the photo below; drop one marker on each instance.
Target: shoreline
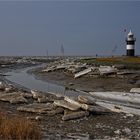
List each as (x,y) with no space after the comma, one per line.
(94,127)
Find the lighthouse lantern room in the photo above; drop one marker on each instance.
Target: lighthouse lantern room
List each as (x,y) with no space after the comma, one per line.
(130,44)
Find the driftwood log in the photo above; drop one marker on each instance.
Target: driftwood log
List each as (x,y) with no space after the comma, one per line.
(37,108)
(119,108)
(119,97)
(87,100)
(75,115)
(135,90)
(65,104)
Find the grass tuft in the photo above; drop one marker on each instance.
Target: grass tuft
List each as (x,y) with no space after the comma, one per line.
(18,128)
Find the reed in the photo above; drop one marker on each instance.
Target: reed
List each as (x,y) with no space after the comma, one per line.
(18,128)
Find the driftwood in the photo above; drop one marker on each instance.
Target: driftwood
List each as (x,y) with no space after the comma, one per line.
(65,104)
(13,98)
(86,100)
(37,94)
(37,108)
(26,95)
(119,108)
(72,101)
(120,97)
(42,100)
(135,90)
(94,109)
(82,72)
(107,70)
(75,115)
(58,110)
(78,136)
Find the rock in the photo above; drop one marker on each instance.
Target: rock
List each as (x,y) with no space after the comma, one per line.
(2,85)
(117,132)
(129,115)
(37,94)
(10,88)
(137,82)
(78,136)
(127,130)
(75,115)
(131,81)
(37,108)
(38,118)
(65,104)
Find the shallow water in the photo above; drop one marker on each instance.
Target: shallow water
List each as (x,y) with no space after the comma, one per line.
(21,77)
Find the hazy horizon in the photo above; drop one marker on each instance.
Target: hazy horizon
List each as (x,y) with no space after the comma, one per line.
(83,27)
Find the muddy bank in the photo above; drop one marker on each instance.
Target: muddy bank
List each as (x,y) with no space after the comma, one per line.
(113,125)
(87,83)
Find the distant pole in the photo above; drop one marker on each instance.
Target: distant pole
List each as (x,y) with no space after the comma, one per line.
(114,50)
(62,50)
(47,53)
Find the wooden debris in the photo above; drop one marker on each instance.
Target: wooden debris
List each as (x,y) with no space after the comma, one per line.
(75,115)
(65,104)
(42,100)
(120,97)
(86,100)
(72,101)
(135,90)
(58,110)
(119,108)
(37,94)
(13,98)
(37,108)
(94,109)
(104,70)
(83,72)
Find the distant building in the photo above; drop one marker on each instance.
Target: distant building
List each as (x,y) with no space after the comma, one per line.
(130,44)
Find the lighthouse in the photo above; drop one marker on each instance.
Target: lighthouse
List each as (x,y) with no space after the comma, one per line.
(130,44)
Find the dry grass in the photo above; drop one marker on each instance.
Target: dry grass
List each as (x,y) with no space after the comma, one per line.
(18,128)
(131,60)
(108,59)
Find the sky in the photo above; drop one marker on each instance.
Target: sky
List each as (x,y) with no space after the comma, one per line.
(35,27)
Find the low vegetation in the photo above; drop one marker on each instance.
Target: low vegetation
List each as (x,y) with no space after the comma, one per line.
(18,128)
(128,62)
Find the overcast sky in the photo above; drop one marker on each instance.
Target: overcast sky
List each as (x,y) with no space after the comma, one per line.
(83,27)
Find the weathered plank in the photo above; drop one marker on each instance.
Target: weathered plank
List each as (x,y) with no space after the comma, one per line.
(83,72)
(135,90)
(37,108)
(86,100)
(107,70)
(13,98)
(65,104)
(120,97)
(119,108)
(75,115)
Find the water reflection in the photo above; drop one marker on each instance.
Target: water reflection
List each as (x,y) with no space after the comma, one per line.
(22,78)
